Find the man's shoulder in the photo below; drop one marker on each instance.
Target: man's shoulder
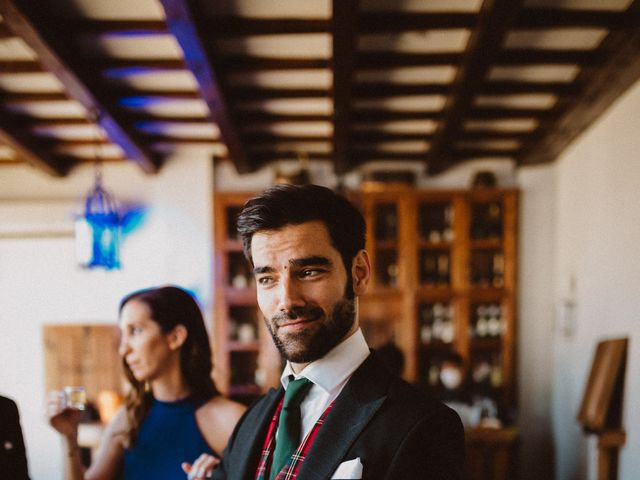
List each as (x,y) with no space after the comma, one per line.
(7,405)
(401,398)
(403,395)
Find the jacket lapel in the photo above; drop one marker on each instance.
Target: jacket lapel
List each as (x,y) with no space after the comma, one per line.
(360,399)
(251,438)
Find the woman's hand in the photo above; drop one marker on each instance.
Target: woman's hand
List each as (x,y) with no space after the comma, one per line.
(64,420)
(202,468)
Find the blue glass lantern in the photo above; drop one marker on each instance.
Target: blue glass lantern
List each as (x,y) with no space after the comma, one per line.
(98,231)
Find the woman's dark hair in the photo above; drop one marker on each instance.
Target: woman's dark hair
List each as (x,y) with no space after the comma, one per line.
(171,306)
(283,205)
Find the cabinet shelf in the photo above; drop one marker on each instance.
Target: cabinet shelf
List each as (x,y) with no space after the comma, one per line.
(437,345)
(426,244)
(386,245)
(489,343)
(486,244)
(435,291)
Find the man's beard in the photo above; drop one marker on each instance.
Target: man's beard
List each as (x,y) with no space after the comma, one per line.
(324,333)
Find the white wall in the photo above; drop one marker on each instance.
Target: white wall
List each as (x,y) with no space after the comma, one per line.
(598,233)
(40,283)
(535,320)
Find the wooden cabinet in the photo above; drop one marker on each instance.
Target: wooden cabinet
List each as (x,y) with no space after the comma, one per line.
(246,363)
(490,454)
(444,280)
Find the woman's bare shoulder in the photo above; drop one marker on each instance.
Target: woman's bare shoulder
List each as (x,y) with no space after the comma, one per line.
(221,409)
(217,418)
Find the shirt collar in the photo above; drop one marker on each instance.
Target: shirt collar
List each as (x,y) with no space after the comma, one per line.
(332,370)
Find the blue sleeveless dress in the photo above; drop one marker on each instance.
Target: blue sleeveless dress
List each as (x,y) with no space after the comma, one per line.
(169,435)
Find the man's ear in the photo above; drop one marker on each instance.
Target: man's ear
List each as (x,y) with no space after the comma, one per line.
(177,336)
(360,272)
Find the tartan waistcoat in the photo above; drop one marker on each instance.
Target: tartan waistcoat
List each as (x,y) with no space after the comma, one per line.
(290,469)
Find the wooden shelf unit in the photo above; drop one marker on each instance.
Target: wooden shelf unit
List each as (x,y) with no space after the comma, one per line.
(435,267)
(246,361)
(447,267)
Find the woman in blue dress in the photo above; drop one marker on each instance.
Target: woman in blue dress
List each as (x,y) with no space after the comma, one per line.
(173,413)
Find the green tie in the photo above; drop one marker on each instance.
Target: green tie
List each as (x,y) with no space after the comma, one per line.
(289,423)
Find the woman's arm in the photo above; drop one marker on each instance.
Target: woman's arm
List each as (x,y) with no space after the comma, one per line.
(108,459)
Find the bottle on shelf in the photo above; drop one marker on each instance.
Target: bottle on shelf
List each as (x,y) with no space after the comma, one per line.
(497,276)
(482,322)
(494,321)
(447,233)
(426,321)
(386,222)
(443,269)
(429,268)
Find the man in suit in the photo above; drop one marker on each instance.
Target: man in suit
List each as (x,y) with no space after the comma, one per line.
(13,458)
(354,418)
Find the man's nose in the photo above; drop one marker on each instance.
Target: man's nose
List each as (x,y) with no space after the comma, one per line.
(290,295)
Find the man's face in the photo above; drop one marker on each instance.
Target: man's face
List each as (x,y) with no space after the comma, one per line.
(301,283)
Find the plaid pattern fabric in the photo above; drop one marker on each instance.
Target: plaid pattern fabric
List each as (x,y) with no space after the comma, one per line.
(290,469)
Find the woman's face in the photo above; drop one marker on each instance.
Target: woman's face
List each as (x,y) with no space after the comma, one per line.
(146,350)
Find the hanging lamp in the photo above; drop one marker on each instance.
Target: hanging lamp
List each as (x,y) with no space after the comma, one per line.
(98,230)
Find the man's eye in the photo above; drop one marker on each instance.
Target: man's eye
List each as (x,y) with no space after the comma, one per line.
(265,280)
(135,330)
(310,272)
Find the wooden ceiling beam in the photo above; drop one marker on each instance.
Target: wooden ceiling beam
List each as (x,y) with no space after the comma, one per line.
(494,22)
(545,18)
(32,151)
(32,97)
(261,116)
(507,113)
(102,27)
(508,87)
(525,56)
(137,64)
(227,26)
(467,153)
(259,138)
(596,88)
(168,94)
(268,156)
(59,58)
(373,154)
(385,59)
(235,26)
(180,20)
(20,66)
(140,116)
(382,136)
(343,31)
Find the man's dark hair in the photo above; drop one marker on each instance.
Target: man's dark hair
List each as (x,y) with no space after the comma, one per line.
(283,205)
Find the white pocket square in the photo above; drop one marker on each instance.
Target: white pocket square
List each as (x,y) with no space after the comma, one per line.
(351,469)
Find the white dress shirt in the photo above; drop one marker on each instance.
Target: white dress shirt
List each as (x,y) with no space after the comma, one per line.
(329,376)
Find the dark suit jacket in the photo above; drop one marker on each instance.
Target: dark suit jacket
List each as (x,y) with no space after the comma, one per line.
(398,433)
(13,459)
